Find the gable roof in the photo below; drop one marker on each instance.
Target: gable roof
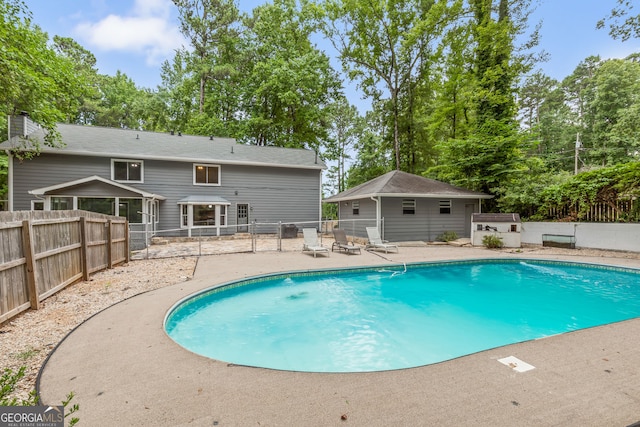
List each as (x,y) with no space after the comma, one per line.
(403,184)
(125,143)
(89,180)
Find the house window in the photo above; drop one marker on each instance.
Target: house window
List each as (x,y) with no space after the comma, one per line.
(37,205)
(223,215)
(206,175)
(203,215)
(514,228)
(99,205)
(61,203)
(408,206)
(356,207)
(126,170)
(445,206)
(184,218)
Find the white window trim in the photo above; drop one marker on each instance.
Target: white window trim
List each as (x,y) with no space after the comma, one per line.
(218,217)
(113,175)
(445,204)
(195,165)
(409,204)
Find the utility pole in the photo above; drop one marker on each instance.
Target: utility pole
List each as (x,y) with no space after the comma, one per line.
(576,155)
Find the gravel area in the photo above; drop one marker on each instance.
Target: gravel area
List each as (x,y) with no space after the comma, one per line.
(27,339)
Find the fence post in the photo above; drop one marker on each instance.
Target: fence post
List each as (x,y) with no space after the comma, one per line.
(84,247)
(27,244)
(127,242)
(254,243)
(279,234)
(110,244)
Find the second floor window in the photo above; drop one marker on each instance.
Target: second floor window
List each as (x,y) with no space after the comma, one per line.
(126,170)
(206,175)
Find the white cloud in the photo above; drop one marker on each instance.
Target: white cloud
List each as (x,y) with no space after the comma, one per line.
(147,29)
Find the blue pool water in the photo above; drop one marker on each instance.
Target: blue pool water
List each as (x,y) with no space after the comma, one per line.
(383,319)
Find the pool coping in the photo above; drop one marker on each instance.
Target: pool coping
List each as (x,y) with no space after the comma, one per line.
(126,371)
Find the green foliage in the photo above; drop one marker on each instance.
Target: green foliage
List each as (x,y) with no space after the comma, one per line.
(71,409)
(605,185)
(10,379)
(329,211)
(8,382)
(492,241)
(623,24)
(447,236)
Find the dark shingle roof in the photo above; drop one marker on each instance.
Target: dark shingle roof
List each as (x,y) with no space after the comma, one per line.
(402,184)
(113,142)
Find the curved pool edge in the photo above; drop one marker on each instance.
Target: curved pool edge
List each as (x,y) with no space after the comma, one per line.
(396,266)
(248,281)
(122,359)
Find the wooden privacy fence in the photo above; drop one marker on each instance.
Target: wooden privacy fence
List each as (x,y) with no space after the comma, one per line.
(39,257)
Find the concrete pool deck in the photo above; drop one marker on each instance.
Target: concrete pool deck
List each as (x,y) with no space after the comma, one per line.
(124,370)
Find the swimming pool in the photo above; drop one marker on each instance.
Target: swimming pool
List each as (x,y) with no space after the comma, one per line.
(375,319)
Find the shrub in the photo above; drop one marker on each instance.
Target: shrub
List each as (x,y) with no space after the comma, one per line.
(447,236)
(492,241)
(8,381)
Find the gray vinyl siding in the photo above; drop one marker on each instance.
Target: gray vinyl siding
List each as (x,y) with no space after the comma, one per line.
(427,223)
(50,169)
(273,193)
(356,224)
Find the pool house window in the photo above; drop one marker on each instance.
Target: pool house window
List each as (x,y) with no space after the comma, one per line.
(408,206)
(126,170)
(445,206)
(356,207)
(206,174)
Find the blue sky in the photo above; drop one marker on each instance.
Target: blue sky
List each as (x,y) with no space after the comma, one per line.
(135,36)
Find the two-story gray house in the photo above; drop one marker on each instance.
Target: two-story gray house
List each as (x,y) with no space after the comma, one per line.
(163,181)
(408,207)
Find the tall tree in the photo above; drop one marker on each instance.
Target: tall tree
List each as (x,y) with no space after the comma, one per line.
(617,88)
(84,66)
(178,92)
(492,151)
(33,78)
(291,83)
(119,98)
(346,127)
(208,25)
(380,44)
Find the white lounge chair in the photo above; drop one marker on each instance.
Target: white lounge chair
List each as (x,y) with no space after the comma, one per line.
(311,242)
(376,242)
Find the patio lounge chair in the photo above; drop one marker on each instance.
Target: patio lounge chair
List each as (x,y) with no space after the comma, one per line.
(341,242)
(376,242)
(311,242)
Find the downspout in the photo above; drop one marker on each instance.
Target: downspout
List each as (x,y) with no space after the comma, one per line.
(9,181)
(320,193)
(377,214)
